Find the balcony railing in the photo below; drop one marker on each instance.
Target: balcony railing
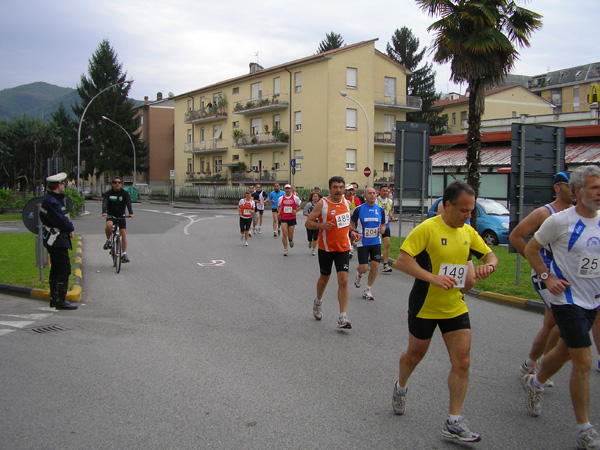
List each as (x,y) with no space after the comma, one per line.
(206,114)
(277,139)
(212,145)
(265,102)
(405,102)
(268,175)
(385,138)
(206,177)
(384,176)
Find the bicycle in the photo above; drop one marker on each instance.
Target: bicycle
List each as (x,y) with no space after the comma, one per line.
(116,249)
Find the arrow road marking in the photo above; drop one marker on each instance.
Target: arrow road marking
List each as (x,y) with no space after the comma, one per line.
(214,262)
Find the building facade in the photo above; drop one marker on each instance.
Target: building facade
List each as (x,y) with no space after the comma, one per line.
(500,103)
(568,89)
(250,128)
(157,131)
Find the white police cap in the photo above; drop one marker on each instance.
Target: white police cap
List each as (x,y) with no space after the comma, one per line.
(57,178)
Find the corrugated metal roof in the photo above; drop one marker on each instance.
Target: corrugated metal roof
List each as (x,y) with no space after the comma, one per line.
(499,155)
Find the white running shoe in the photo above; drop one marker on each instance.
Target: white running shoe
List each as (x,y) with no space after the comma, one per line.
(459,431)
(317,313)
(367,295)
(588,439)
(343,322)
(532,402)
(285,252)
(291,243)
(357,280)
(314,253)
(398,400)
(246,244)
(274,233)
(387,269)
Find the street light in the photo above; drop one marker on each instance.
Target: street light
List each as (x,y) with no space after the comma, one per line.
(130,140)
(81,121)
(344,94)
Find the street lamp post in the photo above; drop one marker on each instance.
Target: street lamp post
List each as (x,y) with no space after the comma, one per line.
(344,94)
(81,121)
(130,140)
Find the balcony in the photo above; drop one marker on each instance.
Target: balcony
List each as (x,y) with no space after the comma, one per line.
(213,145)
(206,177)
(385,138)
(277,138)
(398,102)
(212,114)
(261,104)
(254,177)
(383,176)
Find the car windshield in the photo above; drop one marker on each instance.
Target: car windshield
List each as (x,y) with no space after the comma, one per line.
(493,208)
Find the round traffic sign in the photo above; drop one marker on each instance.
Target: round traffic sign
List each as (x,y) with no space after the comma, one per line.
(30,214)
(367,172)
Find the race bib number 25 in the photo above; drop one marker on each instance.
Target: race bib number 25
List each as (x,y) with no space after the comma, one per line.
(588,267)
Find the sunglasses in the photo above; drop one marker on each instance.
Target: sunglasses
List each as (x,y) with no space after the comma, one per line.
(117,182)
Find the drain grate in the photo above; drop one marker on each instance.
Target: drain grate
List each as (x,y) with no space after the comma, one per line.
(45,329)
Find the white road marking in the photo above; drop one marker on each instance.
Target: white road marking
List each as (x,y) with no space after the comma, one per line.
(16,323)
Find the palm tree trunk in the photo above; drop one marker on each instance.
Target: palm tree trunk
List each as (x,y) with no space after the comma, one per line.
(476,109)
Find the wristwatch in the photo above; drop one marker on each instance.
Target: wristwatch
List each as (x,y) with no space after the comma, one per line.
(544,276)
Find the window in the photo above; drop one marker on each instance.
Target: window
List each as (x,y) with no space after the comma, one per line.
(351,77)
(298,121)
(350,159)
(575,98)
(201,134)
(276,160)
(298,158)
(235,90)
(217,133)
(256,91)
(218,164)
(277,122)
(255,126)
(201,102)
(298,82)
(389,86)
(190,104)
(202,164)
(256,161)
(235,157)
(189,165)
(388,161)
(514,114)
(453,118)
(189,137)
(389,123)
(463,118)
(350,119)
(235,124)
(276,86)
(217,98)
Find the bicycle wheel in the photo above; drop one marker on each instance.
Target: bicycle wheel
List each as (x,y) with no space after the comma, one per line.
(112,248)
(118,253)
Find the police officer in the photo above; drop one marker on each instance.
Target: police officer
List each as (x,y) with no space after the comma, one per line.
(58,231)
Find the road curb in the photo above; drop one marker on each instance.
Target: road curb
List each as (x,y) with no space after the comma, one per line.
(516,302)
(73,295)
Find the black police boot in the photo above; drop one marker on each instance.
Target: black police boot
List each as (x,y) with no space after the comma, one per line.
(53,294)
(62,302)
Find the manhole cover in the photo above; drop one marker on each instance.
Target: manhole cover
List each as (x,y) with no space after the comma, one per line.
(46,329)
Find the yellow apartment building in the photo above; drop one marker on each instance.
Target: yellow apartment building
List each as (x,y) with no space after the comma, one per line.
(500,103)
(568,89)
(251,127)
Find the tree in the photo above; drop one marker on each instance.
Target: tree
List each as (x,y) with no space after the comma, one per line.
(66,131)
(104,147)
(332,40)
(404,48)
(477,37)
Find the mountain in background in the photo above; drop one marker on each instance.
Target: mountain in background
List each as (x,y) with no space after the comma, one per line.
(38,100)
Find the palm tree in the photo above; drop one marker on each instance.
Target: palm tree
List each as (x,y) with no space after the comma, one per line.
(478,38)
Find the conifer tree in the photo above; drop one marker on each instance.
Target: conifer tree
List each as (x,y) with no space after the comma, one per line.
(332,40)
(404,48)
(105,148)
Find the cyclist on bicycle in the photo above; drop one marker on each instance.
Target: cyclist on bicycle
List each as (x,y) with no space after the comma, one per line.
(114,202)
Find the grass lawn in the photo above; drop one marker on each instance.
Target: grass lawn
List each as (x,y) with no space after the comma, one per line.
(502,281)
(7,217)
(17,259)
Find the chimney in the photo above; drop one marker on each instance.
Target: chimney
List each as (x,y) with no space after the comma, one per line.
(255,67)
(158,96)
(145,100)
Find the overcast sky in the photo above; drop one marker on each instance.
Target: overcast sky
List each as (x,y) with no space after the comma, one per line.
(178,46)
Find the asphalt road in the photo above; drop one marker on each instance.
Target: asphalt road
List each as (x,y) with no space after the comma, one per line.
(170,354)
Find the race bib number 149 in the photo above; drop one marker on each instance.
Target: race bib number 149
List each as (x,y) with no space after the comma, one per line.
(456,271)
